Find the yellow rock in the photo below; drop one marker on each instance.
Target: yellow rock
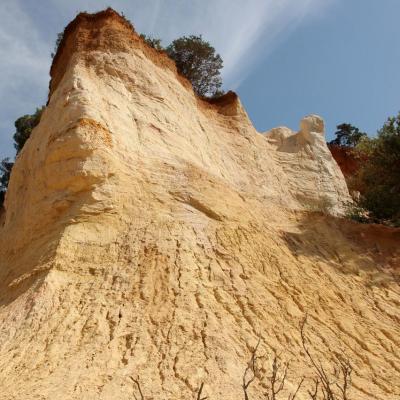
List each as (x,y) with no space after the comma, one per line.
(152,234)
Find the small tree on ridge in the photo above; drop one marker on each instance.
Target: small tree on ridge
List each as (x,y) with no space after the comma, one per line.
(197,60)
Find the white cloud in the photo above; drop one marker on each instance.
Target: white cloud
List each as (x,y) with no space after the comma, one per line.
(23,69)
(24,55)
(242,31)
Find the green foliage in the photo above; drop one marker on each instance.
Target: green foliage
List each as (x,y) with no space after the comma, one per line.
(357,213)
(197,60)
(379,175)
(57,44)
(155,43)
(218,93)
(24,126)
(5,172)
(347,135)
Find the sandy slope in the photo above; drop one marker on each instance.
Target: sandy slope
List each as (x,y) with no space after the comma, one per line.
(150,234)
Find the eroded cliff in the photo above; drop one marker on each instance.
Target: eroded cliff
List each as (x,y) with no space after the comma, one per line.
(151,234)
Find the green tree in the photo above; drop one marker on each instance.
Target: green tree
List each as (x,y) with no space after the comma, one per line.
(5,172)
(347,135)
(155,43)
(197,60)
(24,126)
(379,175)
(57,44)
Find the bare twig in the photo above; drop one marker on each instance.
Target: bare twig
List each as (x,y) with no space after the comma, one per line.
(251,368)
(322,375)
(341,372)
(136,381)
(294,395)
(314,394)
(277,380)
(327,384)
(346,369)
(199,393)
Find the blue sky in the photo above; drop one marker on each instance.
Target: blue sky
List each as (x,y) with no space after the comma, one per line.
(285,58)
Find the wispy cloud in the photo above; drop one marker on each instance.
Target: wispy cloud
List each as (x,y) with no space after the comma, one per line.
(243,32)
(23,69)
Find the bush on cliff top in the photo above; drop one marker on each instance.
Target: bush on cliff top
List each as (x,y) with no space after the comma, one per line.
(155,43)
(197,60)
(57,44)
(5,171)
(24,126)
(347,135)
(194,57)
(378,176)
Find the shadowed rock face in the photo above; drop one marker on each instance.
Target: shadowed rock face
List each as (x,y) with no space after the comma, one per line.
(348,163)
(149,233)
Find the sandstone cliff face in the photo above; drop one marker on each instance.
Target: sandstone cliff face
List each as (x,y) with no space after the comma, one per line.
(350,165)
(148,233)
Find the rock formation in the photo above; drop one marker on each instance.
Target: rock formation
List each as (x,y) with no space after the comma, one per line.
(349,164)
(150,234)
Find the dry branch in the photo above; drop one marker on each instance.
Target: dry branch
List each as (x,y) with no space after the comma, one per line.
(136,381)
(251,368)
(199,393)
(339,379)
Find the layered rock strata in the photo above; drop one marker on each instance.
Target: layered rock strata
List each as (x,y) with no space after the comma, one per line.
(150,234)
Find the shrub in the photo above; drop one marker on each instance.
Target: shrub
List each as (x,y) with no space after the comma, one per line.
(5,172)
(57,44)
(24,126)
(197,60)
(155,43)
(379,177)
(357,213)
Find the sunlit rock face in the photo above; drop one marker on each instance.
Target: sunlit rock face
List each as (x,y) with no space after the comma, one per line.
(151,234)
(313,177)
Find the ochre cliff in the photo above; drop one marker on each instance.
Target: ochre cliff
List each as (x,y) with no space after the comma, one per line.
(344,157)
(348,163)
(151,234)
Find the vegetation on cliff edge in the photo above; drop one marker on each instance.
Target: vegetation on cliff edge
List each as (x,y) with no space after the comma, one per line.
(378,177)
(24,127)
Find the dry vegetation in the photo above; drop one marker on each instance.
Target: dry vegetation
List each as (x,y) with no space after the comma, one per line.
(325,384)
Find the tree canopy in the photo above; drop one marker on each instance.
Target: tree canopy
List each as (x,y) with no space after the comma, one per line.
(24,126)
(153,42)
(5,172)
(379,175)
(347,135)
(57,44)
(198,61)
